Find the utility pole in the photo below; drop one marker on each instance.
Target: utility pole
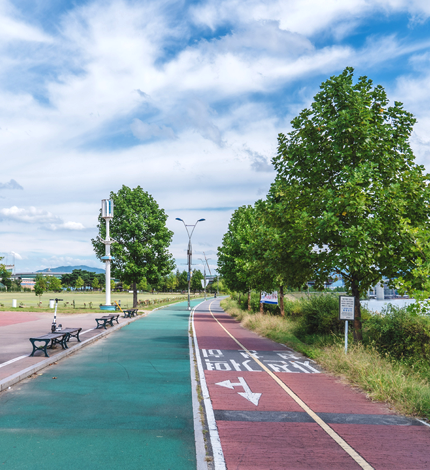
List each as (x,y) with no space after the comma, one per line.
(205,262)
(189,254)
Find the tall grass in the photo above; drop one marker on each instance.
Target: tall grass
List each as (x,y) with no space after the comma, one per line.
(381,377)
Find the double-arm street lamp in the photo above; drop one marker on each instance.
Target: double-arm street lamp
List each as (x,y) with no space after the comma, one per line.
(189,254)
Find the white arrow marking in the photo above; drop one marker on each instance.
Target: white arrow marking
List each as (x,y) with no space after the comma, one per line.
(250,396)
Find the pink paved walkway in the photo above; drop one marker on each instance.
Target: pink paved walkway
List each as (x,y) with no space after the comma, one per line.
(17,327)
(276,433)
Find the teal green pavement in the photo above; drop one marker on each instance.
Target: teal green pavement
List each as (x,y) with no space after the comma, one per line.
(123,402)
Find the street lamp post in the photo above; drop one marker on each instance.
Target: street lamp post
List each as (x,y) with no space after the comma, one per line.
(107,214)
(189,254)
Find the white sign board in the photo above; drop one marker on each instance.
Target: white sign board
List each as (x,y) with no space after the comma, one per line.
(269,298)
(346,307)
(203,282)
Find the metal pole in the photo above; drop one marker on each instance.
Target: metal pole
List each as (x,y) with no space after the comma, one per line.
(204,276)
(346,336)
(107,245)
(189,272)
(54,323)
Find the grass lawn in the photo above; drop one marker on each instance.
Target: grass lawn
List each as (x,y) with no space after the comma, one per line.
(82,300)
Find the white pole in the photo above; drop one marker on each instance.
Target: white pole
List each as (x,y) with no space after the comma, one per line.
(346,336)
(189,272)
(107,245)
(204,275)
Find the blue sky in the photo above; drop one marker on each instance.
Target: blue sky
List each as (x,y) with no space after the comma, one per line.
(185,98)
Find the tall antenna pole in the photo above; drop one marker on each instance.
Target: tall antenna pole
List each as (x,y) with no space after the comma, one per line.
(107,214)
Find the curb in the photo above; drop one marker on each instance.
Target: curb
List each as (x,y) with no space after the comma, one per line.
(23,374)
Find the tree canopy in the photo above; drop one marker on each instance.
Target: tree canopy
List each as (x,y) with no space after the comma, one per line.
(352,197)
(348,198)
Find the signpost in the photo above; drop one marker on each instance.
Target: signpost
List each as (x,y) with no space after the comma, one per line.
(346,312)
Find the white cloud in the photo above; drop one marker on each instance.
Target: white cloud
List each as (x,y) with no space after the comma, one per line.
(45,219)
(16,255)
(14,28)
(207,110)
(30,215)
(66,226)
(305,16)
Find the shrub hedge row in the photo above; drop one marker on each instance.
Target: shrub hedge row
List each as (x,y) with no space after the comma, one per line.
(398,332)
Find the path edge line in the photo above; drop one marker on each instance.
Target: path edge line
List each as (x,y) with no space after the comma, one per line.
(338,439)
(198,428)
(218,454)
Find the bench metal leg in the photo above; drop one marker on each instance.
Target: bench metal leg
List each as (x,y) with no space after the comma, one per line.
(101,323)
(40,348)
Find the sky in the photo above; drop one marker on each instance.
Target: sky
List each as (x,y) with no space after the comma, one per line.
(184,98)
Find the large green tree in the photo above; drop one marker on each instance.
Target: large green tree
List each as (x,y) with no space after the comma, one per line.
(241,255)
(142,238)
(278,256)
(353,199)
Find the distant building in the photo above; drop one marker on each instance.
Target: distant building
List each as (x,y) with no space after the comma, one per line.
(29,279)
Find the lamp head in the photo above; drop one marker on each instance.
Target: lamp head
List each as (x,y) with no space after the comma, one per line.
(201,220)
(177,218)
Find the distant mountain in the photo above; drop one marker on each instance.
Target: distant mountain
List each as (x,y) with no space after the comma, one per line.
(69,269)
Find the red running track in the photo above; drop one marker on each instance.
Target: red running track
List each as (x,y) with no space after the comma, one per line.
(11,318)
(276,433)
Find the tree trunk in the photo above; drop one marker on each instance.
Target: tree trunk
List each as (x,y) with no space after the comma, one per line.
(134,295)
(358,335)
(261,305)
(249,300)
(281,300)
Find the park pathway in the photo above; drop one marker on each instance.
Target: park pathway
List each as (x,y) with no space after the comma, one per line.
(271,408)
(123,402)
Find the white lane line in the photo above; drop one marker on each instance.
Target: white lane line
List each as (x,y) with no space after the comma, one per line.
(198,428)
(12,360)
(219,462)
(92,329)
(427,424)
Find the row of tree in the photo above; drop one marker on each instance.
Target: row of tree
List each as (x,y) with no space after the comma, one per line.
(87,279)
(348,198)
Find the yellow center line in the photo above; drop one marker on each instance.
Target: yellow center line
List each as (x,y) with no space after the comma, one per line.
(345,446)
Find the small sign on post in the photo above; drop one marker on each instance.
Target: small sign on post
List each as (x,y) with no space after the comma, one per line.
(346,312)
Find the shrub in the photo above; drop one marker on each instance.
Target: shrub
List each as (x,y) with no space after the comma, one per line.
(399,332)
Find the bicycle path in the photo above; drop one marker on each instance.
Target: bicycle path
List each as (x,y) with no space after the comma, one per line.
(123,402)
(274,409)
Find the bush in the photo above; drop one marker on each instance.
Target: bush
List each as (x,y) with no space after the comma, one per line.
(319,322)
(321,314)
(399,332)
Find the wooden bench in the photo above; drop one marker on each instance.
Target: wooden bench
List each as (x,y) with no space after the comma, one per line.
(130,312)
(107,320)
(60,337)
